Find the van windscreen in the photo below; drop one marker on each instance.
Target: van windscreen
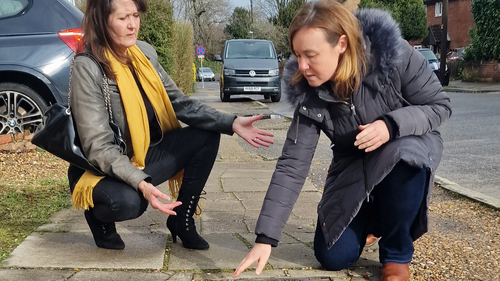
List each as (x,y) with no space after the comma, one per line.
(249,49)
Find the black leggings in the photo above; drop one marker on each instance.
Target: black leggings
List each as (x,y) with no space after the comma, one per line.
(191,149)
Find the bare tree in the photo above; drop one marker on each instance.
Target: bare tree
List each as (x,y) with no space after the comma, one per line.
(208,18)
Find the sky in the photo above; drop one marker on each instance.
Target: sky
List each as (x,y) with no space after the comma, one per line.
(240,3)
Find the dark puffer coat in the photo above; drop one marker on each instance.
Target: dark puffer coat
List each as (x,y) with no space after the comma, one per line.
(399,87)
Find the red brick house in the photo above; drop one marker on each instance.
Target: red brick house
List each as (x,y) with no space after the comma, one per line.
(460,22)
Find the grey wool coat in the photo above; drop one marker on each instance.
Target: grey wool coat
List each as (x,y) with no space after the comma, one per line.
(400,87)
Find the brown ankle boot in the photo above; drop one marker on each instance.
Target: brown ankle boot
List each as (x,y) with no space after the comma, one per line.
(395,272)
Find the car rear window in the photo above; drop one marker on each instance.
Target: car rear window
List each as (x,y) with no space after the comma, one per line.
(249,49)
(10,8)
(428,54)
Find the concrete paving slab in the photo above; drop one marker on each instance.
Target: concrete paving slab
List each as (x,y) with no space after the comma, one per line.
(243,184)
(303,237)
(120,276)
(250,222)
(35,274)
(232,151)
(293,256)
(223,222)
(299,225)
(226,251)
(251,200)
(182,276)
(308,198)
(289,254)
(265,275)
(307,273)
(213,184)
(222,201)
(66,220)
(308,186)
(78,250)
(254,165)
(258,174)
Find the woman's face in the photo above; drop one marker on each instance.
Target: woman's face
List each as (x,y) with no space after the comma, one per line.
(124,23)
(317,58)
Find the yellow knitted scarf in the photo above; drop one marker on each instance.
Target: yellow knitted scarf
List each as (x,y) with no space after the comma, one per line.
(137,119)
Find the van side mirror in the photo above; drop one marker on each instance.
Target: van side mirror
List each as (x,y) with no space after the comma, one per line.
(280,56)
(217,58)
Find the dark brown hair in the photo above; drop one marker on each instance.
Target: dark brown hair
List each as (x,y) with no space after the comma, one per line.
(96,35)
(335,20)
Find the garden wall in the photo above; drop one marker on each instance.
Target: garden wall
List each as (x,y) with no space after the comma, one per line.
(481,71)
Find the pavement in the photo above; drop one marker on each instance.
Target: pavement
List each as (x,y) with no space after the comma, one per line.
(472,87)
(64,249)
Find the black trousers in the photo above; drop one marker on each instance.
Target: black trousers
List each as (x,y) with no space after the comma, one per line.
(191,149)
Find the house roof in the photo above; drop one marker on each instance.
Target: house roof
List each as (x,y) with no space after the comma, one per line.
(434,36)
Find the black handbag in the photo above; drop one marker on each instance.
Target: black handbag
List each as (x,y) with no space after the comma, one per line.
(57,133)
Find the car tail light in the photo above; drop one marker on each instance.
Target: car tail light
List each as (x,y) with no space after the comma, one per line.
(72,38)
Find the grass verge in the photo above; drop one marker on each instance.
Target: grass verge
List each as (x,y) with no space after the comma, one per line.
(26,203)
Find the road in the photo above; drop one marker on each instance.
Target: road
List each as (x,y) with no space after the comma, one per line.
(471,137)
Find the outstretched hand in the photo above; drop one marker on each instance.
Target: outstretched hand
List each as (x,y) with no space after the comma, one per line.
(152,194)
(260,253)
(243,127)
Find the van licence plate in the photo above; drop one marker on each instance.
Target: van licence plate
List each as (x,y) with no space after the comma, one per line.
(251,89)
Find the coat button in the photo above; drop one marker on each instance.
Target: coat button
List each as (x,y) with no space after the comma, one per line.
(319,115)
(330,244)
(323,224)
(304,108)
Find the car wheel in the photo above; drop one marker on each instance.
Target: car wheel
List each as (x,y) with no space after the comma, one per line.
(277,97)
(21,109)
(223,96)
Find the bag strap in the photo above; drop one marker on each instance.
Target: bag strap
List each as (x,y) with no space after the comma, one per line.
(105,84)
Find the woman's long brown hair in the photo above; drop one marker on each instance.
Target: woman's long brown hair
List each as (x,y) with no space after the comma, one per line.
(96,35)
(335,20)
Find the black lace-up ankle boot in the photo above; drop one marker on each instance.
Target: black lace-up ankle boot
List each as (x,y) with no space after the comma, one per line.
(105,235)
(183,225)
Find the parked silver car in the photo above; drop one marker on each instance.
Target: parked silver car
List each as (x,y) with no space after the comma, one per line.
(38,39)
(206,74)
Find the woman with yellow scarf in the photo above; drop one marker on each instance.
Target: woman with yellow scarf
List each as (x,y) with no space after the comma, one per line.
(147,106)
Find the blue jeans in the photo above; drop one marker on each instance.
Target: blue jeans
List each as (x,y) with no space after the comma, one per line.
(188,148)
(394,205)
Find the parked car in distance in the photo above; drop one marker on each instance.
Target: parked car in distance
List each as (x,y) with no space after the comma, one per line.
(456,54)
(205,74)
(435,64)
(38,39)
(250,66)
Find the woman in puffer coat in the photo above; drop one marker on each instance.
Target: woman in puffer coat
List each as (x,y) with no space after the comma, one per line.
(354,78)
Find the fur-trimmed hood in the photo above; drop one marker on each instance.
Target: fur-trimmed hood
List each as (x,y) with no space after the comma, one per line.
(383,45)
